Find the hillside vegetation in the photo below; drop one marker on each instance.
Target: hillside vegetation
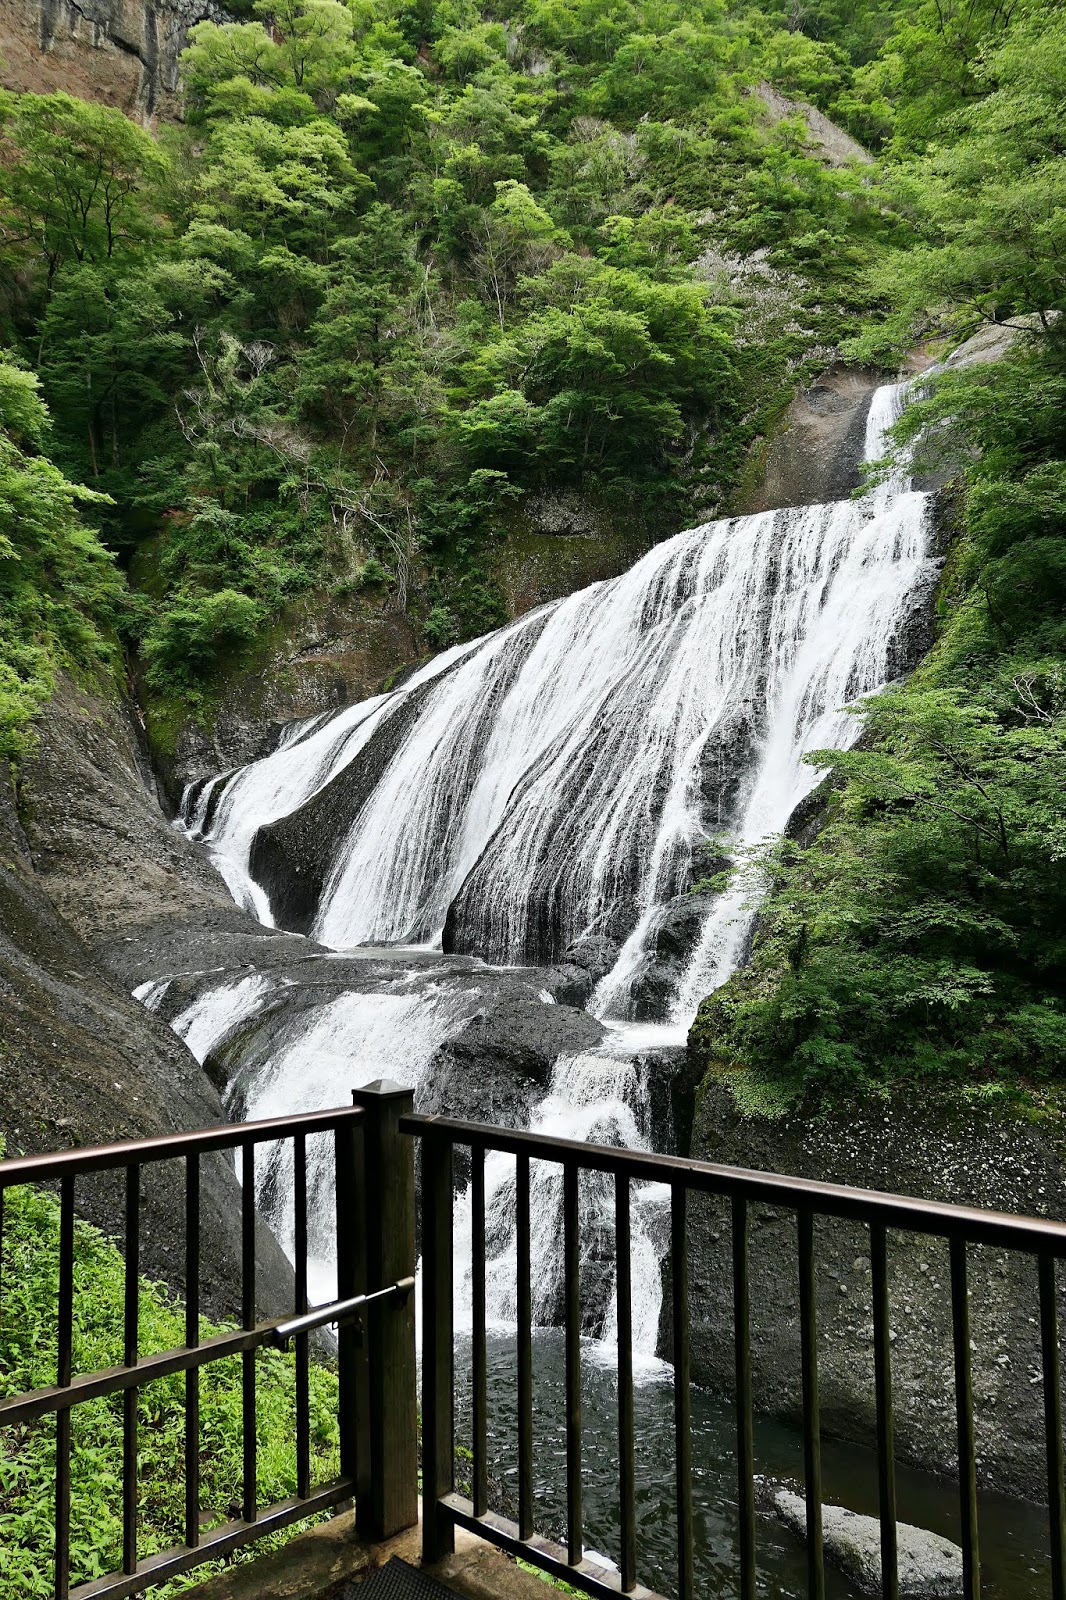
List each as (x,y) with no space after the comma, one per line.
(406,263)
(27,1463)
(923,934)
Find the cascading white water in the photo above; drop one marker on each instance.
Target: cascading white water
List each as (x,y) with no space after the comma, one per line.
(597,1098)
(845,576)
(217,1012)
(316,1061)
(559,778)
(229,810)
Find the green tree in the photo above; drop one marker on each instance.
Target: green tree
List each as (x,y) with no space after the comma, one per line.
(988,209)
(76,181)
(59,592)
(512,238)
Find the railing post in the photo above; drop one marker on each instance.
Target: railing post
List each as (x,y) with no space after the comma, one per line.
(438,1371)
(388,1209)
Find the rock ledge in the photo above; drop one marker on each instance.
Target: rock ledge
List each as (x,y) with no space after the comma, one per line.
(930,1568)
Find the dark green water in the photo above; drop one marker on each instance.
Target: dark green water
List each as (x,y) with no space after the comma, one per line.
(1014,1534)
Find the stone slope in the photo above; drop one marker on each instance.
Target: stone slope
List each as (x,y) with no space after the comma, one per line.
(81,1062)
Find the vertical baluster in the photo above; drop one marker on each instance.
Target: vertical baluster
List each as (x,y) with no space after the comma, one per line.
(349,1158)
(192,1340)
(130,1356)
(572,1318)
(1056,1499)
(64,1372)
(886,1460)
(438,1365)
(812,1437)
(745,1437)
(960,1323)
(525,1350)
(479,1355)
(248,1419)
(960,1314)
(682,1388)
(303,1405)
(626,1430)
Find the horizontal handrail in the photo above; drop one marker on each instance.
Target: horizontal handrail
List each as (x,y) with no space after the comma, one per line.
(221,1541)
(996,1228)
(197,1141)
(113,1380)
(337,1311)
(277,1331)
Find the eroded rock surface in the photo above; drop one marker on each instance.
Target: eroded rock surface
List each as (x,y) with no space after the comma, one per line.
(80,1061)
(122,52)
(814,455)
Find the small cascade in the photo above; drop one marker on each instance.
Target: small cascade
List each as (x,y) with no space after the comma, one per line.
(597,1098)
(218,1012)
(314,1058)
(152,994)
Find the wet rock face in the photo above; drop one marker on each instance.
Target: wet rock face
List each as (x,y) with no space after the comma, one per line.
(677,932)
(941,1150)
(500,1065)
(815,454)
(323,655)
(101,848)
(594,953)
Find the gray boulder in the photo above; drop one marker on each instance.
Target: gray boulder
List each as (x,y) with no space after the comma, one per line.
(930,1567)
(500,1065)
(593,952)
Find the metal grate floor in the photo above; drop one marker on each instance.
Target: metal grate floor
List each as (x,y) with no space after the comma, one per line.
(396,1580)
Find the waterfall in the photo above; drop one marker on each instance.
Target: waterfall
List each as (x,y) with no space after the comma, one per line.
(218,1012)
(314,1058)
(560,777)
(229,810)
(566,778)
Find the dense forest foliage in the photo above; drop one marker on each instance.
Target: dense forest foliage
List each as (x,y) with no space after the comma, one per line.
(406,262)
(923,933)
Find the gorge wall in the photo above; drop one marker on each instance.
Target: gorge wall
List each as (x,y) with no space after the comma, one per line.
(121,52)
(86,858)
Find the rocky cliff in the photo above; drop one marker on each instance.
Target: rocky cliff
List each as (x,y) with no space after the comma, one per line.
(85,858)
(122,52)
(328,651)
(945,1149)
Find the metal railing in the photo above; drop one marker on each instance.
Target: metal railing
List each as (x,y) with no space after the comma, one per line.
(444,1510)
(375,1276)
(374,1145)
